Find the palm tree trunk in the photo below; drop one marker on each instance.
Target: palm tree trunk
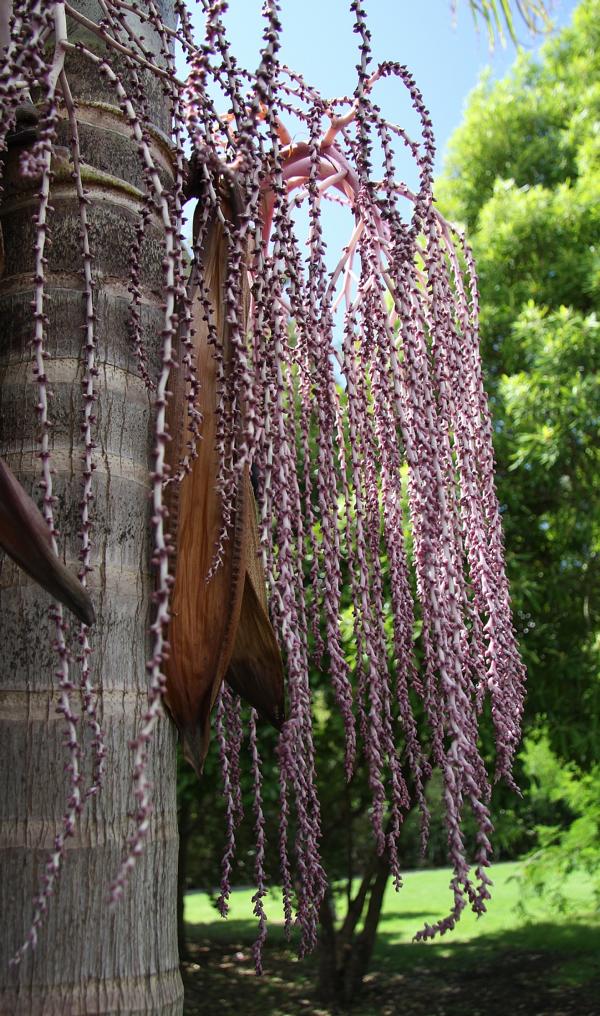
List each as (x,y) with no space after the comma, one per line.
(185,828)
(89,959)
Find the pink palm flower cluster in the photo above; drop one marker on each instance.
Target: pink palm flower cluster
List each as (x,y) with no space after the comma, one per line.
(354,393)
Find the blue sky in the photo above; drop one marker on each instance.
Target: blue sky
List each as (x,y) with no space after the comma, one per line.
(446,58)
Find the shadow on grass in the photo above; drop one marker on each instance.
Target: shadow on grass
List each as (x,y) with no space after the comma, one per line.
(568,937)
(411,915)
(540,969)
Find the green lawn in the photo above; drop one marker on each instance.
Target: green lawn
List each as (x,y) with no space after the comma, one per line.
(510,961)
(424,896)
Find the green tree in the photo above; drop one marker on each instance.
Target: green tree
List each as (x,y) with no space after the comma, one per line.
(523,174)
(565,807)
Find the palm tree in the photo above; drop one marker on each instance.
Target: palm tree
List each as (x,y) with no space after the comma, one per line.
(90,958)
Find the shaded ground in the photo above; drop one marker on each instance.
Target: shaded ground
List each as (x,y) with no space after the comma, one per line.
(495,978)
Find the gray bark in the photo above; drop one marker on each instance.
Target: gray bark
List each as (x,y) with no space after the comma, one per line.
(89,959)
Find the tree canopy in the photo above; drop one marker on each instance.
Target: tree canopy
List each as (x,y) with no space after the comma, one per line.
(523,174)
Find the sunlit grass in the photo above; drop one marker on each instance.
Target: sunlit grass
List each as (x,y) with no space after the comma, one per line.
(510,945)
(425,897)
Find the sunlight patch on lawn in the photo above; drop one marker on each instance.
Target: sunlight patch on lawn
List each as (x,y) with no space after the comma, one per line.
(425,896)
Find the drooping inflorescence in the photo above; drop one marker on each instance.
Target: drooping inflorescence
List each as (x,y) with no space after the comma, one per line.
(353,390)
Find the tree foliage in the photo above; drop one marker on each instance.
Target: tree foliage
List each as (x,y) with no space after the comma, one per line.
(499,18)
(564,806)
(523,173)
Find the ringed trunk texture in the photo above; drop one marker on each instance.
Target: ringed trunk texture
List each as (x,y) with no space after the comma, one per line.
(89,959)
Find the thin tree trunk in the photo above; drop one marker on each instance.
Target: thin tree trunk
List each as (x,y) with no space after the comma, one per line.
(358,958)
(328,974)
(345,955)
(89,959)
